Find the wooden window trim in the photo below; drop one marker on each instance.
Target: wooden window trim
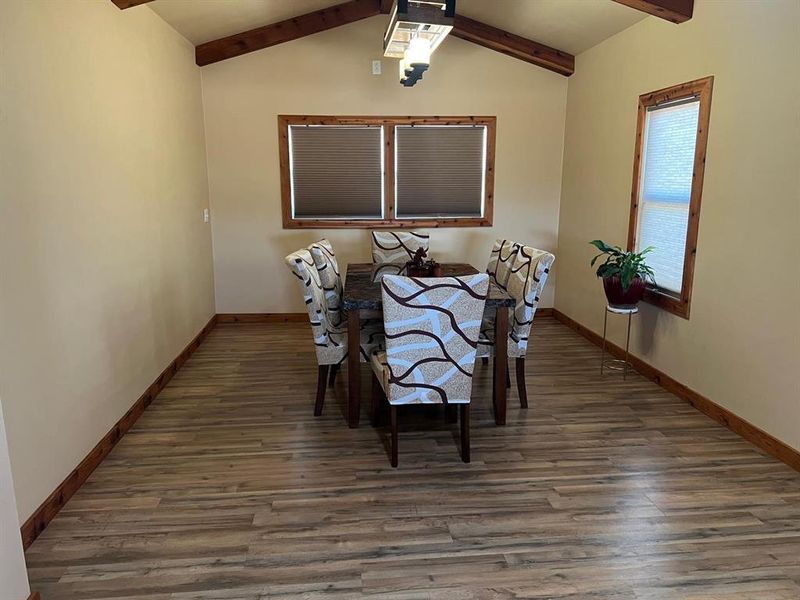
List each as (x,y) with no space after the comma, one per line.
(678,304)
(390,220)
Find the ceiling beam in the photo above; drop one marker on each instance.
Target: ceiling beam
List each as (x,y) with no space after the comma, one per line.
(513,45)
(677,11)
(355,10)
(123,4)
(285,31)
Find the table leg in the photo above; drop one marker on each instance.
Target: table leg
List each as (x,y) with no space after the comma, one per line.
(353,368)
(500,364)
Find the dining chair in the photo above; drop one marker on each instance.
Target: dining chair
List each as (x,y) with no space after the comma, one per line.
(328,270)
(432,327)
(521,271)
(397,246)
(330,340)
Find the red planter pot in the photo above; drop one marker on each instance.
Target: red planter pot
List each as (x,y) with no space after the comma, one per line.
(616,295)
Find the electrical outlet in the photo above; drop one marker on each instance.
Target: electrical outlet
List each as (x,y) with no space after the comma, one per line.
(376,67)
(206,216)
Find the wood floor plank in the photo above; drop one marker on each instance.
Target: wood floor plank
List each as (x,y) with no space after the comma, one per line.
(228,488)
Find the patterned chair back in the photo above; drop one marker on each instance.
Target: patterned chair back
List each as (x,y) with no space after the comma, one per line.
(330,341)
(500,260)
(522,274)
(397,246)
(328,269)
(432,327)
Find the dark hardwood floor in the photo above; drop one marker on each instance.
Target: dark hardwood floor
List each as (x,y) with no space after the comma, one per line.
(229,488)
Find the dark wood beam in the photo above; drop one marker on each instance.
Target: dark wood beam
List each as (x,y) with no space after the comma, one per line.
(123,4)
(355,10)
(677,11)
(286,31)
(513,45)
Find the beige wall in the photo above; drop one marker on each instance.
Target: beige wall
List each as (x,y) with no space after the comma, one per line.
(329,73)
(105,259)
(13,577)
(741,347)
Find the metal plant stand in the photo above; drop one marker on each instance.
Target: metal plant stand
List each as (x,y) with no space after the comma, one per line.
(616,364)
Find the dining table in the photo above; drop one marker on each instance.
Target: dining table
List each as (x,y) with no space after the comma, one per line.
(362,299)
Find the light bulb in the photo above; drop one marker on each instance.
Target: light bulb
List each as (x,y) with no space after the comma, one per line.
(418,53)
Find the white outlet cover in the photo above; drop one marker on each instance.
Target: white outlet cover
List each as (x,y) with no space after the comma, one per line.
(376,67)
(205,215)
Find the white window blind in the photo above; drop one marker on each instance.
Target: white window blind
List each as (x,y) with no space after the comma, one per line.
(666,188)
(336,171)
(440,170)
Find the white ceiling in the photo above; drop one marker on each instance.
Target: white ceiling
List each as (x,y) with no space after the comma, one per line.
(569,25)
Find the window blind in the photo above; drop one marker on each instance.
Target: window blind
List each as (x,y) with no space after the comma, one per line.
(336,171)
(666,188)
(439,170)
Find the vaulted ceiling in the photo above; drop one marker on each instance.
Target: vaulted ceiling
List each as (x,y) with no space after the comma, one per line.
(546,33)
(569,25)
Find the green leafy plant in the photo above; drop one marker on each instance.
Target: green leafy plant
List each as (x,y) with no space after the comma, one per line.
(625,265)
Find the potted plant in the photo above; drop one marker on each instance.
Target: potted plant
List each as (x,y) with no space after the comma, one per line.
(625,274)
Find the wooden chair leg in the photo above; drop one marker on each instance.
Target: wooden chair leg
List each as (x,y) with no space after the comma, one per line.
(494,387)
(322,377)
(465,452)
(334,372)
(450,413)
(523,392)
(377,397)
(508,378)
(485,360)
(393,418)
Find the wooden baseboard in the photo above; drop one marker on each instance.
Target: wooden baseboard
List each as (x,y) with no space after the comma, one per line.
(37,522)
(735,423)
(262,318)
(302,317)
(34,596)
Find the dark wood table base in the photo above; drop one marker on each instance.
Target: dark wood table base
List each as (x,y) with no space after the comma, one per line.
(353,367)
(500,365)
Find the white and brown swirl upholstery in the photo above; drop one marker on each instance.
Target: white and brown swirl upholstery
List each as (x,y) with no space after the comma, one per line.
(328,269)
(500,260)
(522,272)
(330,339)
(397,246)
(432,327)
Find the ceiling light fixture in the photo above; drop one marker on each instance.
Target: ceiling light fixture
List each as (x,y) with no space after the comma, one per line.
(416,28)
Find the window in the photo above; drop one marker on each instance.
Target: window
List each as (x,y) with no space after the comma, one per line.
(671,136)
(396,172)
(336,166)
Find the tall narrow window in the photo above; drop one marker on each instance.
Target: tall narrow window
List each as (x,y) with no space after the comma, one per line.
(667,187)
